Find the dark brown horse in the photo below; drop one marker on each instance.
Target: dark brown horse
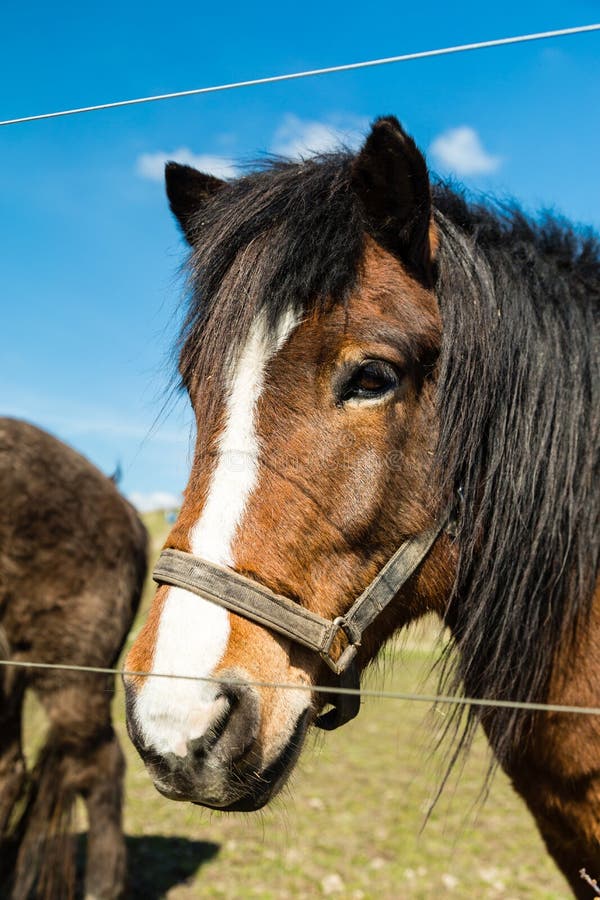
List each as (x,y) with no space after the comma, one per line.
(72,566)
(363,352)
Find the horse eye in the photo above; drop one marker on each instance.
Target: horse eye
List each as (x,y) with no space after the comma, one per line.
(369,381)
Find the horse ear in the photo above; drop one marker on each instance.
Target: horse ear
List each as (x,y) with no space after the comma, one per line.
(188,190)
(390,176)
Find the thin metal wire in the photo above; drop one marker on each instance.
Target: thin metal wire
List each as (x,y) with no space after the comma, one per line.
(591,881)
(442,699)
(272,79)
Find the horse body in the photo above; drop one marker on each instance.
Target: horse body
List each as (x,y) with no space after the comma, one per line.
(72,565)
(360,350)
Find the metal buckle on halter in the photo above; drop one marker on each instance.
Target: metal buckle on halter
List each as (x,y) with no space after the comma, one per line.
(347,655)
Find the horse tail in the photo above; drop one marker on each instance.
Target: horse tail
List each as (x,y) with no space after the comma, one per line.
(11,793)
(45,866)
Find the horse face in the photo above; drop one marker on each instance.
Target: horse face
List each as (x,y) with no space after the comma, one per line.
(311,467)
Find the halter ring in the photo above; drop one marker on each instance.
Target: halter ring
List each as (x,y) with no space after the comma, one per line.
(349,652)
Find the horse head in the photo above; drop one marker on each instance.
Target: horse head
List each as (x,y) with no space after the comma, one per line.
(309,356)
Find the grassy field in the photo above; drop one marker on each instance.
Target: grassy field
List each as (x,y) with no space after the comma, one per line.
(351,823)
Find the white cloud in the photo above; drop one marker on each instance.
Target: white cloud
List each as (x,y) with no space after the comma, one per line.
(460,150)
(154,500)
(152,165)
(297,137)
(293,138)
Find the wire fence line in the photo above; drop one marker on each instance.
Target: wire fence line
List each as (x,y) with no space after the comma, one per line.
(436,699)
(310,73)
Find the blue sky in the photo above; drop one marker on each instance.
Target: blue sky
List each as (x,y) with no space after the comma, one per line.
(90,281)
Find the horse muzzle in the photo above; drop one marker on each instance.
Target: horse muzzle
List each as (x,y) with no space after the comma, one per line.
(218,761)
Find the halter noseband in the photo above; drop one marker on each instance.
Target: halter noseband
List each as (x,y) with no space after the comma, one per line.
(336,641)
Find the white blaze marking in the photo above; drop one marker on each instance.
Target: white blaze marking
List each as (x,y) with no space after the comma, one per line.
(235,475)
(193,633)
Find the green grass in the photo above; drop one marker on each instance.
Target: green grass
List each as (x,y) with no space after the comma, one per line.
(351,823)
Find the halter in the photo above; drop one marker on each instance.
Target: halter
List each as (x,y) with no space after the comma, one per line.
(335,640)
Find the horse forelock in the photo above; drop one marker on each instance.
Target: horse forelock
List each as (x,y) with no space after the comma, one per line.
(291,235)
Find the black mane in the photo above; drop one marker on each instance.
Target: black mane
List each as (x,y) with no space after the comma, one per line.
(519,401)
(518,393)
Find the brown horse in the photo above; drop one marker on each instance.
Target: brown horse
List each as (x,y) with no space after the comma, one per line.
(72,566)
(364,351)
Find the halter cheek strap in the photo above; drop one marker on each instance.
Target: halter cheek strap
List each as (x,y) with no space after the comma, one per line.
(336,641)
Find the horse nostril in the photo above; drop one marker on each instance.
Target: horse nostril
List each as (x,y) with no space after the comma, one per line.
(200,747)
(218,727)
(242,728)
(234,728)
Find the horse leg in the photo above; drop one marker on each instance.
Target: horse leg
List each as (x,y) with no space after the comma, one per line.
(93,767)
(106,855)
